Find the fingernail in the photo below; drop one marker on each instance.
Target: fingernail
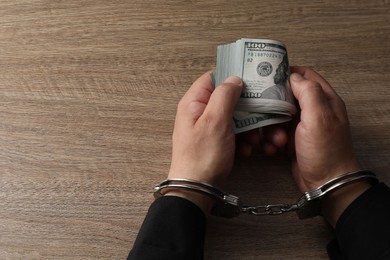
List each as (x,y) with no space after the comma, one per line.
(234,80)
(296,77)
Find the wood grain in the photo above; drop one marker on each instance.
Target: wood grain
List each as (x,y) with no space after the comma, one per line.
(88,94)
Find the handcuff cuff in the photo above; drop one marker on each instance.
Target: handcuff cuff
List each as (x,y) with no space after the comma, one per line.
(229,206)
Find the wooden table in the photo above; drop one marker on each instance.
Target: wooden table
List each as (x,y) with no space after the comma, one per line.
(88,94)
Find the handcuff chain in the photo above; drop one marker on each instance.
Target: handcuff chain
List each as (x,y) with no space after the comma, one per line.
(271,209)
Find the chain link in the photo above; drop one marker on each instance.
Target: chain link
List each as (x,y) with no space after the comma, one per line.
(272,209)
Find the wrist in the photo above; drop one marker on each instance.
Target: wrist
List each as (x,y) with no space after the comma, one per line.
(203,202)
(334,204)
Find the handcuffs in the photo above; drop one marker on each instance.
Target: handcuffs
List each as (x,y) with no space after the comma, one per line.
(229,206)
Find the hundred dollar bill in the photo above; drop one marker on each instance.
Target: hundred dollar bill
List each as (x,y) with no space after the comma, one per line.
(263,66)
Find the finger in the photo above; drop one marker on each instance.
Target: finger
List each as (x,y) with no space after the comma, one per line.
(310,74)
(269,149)
(200,90)
(276,135)
(244,149)
(332,97)
(310,95)
(224,99)
(251,137)
(195,100)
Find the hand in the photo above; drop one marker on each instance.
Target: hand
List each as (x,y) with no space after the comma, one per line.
(322,141)
(203,138)
(323,146)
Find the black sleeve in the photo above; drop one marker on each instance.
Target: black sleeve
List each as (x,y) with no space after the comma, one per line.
(174,228)
(363,230)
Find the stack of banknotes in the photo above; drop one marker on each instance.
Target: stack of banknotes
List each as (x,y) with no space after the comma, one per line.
(263,66)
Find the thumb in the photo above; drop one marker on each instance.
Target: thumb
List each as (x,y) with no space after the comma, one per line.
(224,99)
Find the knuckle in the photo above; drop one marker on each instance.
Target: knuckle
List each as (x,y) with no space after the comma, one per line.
(211,120)
(214,122)
(226,88)
(327,120)
(313,86)
(222,90)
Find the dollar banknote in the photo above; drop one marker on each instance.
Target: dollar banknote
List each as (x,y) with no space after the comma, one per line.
(263,67)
